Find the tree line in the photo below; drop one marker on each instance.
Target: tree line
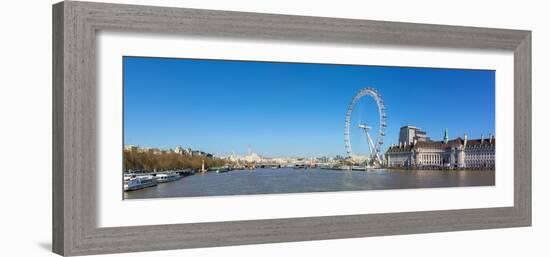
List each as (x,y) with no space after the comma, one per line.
(147,161)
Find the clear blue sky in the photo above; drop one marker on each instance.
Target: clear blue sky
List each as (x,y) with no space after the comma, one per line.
(291,109)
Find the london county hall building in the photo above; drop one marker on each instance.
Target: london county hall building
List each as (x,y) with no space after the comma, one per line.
(416,150)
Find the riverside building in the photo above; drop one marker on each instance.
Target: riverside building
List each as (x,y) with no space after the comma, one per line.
(460,153)
(407,134)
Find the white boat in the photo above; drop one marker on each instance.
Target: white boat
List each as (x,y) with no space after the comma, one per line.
(163,178)
(345,167)
(135,183)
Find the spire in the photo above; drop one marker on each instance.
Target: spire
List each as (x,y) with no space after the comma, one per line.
(465,139)
(482,138)
(446,136)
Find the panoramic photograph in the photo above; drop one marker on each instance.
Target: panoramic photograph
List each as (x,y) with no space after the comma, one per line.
(201,127)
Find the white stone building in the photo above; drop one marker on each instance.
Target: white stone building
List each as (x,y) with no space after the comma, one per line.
(454,154)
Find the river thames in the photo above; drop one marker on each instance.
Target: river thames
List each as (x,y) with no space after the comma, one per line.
(289,180)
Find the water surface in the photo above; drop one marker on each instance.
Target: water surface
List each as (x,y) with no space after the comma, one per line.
(289,180)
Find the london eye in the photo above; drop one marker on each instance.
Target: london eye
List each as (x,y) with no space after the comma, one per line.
(374,144)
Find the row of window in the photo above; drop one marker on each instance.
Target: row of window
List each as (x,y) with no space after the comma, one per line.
(479,161)
(480,156)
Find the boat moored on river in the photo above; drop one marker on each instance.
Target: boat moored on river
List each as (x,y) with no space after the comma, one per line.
(163,178)
(139,182)
(220,169)
(360,168)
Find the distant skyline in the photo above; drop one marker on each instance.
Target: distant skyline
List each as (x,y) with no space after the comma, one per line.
(294,109)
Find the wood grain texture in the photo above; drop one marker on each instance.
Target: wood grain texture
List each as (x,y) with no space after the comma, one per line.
(58,230)
(75,25)
(522,129)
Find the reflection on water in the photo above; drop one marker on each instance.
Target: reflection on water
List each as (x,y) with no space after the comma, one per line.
(288,180)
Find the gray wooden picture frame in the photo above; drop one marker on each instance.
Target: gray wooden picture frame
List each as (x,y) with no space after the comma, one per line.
(75,25)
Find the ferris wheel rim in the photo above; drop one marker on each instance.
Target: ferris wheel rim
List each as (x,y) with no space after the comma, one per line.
(374,94)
